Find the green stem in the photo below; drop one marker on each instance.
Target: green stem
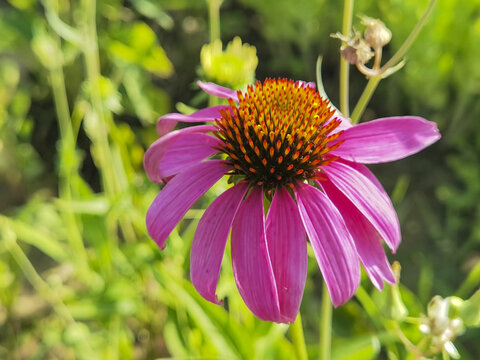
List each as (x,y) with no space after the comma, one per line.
(65,169)
(34,237)
(344,65)
(92,63)
(214,21)
(42,288)
(397,57)
(408,344)
(365,98)
(471,282)
(394,61)
(298,339)
(57,82)
(67,163)
(326,325)
(34,278)
(112,171)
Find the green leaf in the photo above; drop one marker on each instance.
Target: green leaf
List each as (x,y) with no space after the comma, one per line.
(36,238)
(216,330)
(96,206)
(173,341)
(138,45)
(142,38)
(470,311)
(356,348)
(158,63)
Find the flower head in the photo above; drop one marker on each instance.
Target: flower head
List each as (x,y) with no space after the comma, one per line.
(280,139)
(277,135)
(441,327)
(235,65)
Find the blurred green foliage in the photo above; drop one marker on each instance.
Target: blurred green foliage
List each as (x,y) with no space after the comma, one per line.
(81,85)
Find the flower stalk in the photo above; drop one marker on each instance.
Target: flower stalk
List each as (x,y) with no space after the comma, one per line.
(298,339)
(344,65)
(214,21)
(365,98)
(67,169)
(49,52)
(92,64)
(325,325)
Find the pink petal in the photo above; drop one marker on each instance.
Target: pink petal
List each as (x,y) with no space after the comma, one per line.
(331,242)
(185,151)
(178,150)
(306,84)
(386,139)
(287,246)
(344,124)
(381,192)
(251,262)
(365,236)
(167,122)
(210,240)
(218,91)
(367,173)
(179,195)
(369,198)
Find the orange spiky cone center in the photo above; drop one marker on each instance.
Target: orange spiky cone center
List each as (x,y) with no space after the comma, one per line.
(279,133)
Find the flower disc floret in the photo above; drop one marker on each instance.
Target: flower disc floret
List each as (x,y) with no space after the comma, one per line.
(279,133)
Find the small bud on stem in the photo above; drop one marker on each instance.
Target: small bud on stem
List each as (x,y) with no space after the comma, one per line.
(357,50)
(377,35)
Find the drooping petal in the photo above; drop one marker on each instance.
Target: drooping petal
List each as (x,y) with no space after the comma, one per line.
(331,242)
(365,236)
(369,198)
(393,245)
(287,246)
(179,150)
(179,195)
(210,239)
(252,268)
(167,122)
(217,90)
(367,173)
(386,139)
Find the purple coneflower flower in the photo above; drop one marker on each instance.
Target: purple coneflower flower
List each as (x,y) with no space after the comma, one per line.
(280,141)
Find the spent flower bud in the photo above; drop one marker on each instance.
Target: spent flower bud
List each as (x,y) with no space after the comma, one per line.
(355,50)
(377,35)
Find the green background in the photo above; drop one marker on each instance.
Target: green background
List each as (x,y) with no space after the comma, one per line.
(79,277)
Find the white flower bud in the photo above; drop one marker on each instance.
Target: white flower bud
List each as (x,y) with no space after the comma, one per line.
(440,327)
